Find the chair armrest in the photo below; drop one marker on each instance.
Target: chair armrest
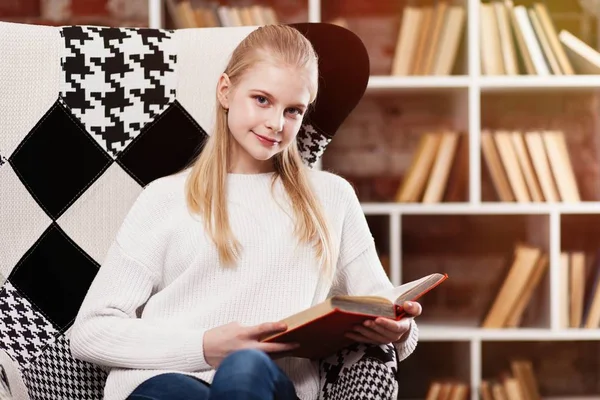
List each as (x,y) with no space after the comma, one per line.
(12,386)
(360,371)
(5,392)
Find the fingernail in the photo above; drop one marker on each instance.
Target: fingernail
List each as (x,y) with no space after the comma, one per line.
(408,304)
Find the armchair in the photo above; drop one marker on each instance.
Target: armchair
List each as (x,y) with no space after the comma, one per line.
(89,116)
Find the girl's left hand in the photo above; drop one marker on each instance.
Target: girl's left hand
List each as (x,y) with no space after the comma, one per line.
(384,330)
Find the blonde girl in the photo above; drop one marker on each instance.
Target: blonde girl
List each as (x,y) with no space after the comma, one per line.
(208,259)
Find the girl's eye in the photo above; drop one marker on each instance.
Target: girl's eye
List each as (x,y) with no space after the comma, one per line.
(261,99)
(294,111)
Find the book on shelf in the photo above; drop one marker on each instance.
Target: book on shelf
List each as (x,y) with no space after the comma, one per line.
(527,267)
(186,14)
(438,170)
(519,39)
(531,166)
(429,38)
(584,58)
(579,290)
(320,330)
(447,389)
(518,383)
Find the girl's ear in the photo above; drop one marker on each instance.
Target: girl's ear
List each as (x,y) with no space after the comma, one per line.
(223,89)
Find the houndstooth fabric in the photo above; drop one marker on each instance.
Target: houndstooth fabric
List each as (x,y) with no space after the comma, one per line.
(360,372)
(56,375)
(24,331)
(116,80)
(311,144)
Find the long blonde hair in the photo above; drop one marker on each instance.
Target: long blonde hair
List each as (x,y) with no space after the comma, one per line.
(206,184)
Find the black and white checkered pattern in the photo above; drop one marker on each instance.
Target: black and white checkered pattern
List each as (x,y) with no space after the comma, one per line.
(90,115)
(56,375)
(69,179)
(358,372)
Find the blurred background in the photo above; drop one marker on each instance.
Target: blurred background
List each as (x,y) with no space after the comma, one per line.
(67,12)
(475,152)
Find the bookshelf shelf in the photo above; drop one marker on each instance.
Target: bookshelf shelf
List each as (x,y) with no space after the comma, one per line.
(572,398)
(442,332)
(468,101)
(379,83)
(519,83)
(592,208)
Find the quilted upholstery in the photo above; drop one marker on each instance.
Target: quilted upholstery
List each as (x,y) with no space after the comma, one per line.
(89,116)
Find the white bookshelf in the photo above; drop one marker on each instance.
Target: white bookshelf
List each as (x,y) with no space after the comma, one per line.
(538,83)
(155,14)
(439,333)
(382,83)
(472,88)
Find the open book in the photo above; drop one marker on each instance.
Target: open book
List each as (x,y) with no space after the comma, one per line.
(320,329)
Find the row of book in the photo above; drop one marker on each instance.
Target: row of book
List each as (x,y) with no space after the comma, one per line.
(438,171)
(514,39)
(447,389)
(429,39)
(579,290)
(186,14)
(524,167)
(528,266)
(519,383)
(532,166)
(524,40)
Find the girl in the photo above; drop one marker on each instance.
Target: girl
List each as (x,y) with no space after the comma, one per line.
(207,258)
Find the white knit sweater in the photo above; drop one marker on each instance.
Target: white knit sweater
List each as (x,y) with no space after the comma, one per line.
(161,286)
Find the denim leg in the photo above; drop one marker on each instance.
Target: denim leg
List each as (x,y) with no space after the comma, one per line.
(251,375)
(171,386)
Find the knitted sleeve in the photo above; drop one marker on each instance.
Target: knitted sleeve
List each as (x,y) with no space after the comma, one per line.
(365,276)
(359,270)
(107,330)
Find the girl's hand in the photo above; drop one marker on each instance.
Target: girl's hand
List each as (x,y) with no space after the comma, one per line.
(384,330)
(223,340)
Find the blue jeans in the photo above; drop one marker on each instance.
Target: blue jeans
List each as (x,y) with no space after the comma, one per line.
(243,375)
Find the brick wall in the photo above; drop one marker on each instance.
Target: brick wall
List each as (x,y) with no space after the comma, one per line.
(63,12)
(375,145)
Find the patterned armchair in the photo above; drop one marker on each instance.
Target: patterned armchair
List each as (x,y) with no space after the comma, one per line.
(88,117)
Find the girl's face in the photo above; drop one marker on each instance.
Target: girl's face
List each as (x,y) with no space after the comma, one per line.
(266,108)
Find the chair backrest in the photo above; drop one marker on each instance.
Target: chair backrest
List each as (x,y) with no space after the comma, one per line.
(88,116)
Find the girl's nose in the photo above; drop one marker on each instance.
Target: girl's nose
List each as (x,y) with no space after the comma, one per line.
(275,122)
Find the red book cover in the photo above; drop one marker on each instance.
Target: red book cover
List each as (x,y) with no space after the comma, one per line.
(325,333)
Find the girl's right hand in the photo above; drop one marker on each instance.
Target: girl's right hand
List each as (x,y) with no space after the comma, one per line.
(219,342)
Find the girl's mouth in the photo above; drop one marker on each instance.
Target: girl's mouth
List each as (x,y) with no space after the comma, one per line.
(265,140)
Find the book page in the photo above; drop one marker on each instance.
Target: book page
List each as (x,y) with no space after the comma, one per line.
(412,290)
